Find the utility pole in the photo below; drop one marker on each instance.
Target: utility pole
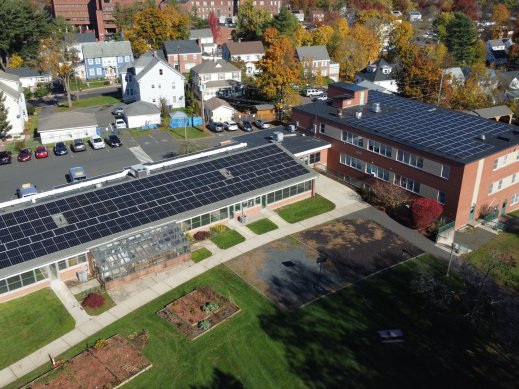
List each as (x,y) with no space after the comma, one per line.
(440,90)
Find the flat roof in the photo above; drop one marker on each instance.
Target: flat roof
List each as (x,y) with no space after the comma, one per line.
(46,232)
(443,132)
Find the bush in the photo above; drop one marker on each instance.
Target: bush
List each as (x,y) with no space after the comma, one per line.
(106,83)
(93,300)
(424,211)
(219,229)
(210,307)
(202,235)
(20,145)
(204,325)
(30,109)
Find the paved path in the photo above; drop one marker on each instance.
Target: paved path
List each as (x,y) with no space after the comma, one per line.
(69,301)
(348,204)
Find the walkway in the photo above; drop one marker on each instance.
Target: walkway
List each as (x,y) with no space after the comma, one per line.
(348,204)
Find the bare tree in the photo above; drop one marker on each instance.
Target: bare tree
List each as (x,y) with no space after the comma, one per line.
(389,195)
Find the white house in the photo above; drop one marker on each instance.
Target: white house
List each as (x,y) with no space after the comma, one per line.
(66,126)
(204,38)
(141,113)
(300,15)
(30,77)
(14,102)
(414,16)
(218,110)
(150,78)
(248,52)
(497,51)
(380,73)
(456,75)
(216,78)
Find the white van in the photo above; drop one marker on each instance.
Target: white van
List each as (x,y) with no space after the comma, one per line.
(77,174)
(309,92)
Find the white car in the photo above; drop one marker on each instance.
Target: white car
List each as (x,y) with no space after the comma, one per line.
(231,126)
(120,124)
(261,124)
(97,142)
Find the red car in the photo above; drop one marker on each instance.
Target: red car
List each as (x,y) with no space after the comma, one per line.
(25,155)
(41,152)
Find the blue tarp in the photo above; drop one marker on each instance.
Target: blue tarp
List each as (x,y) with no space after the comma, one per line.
(150,126)
(180,119)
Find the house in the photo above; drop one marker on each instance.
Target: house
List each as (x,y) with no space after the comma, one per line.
(316,16)
(497,52)
(510,83)
(204,39)
(218,110)
(14,102)
(462,161)
(105,59)
(216,78)
(300,15)
(489,82)
(380,73)
(66,126)
(150,78)
(30,77)
(414,16)
(264,111)
(248,52)
(75,42)
(371,86)
(315,59)
(456,75)
(141,114)
(496,113)
(183,54)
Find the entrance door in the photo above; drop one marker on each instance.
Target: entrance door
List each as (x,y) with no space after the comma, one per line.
(264,201)
(503,208)
(231,212)
(472,212)
(53,271)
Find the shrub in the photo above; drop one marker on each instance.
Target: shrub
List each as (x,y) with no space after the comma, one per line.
(30,109)
(424,211)
(20,145)
(93,300)
(202,235)
(219,229)
(485,210)
(106,82)
(100,343)
(204,325)
(210,307)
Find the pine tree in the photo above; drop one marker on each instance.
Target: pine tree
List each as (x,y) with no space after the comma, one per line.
(5,126)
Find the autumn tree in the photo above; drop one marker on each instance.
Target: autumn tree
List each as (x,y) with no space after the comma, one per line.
(214,25)
(124,14)
(270,36)
(277,85)
(501,18)
(341,30)
(302,37)
(16,61)
(322,36)
(304,5)
(424,211)
(251,21)
(399,40)
(472,94)
(440,25)
(5,126)
(152,26)
(468,7)
(388,195)
(462,39)
(513,57)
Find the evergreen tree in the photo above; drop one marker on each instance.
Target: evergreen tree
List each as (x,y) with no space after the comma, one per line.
(285,22)
(5,126)
(462,39)
(251,21)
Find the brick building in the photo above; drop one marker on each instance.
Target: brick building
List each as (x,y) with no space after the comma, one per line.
(462,161)
(183,55)
(226,8)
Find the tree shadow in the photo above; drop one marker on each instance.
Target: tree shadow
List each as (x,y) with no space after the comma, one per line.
(221,380)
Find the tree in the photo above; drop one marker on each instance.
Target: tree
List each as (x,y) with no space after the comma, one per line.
(251,21)
(424,211)
(15,61)
(468,7)
(322,36)
(196,22)
(513,57)
(22,25)
(462,39)
(285,22)
(5,126)
(440,25)
(124,14)
(399,40)
(214,25)
(164,111)
(501,17)
(303,37)
(389,195)
(152,26)
(470,95)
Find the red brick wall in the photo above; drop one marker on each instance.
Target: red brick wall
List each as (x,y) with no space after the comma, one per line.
(172,60)
(24,291)
(70,272)
(290,200)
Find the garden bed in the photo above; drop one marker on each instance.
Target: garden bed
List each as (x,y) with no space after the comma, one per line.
(199,311)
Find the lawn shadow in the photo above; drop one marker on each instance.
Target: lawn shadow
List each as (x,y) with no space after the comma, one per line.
(221,380)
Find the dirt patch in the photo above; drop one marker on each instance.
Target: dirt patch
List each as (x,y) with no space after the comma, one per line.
(109,363)
(197,312)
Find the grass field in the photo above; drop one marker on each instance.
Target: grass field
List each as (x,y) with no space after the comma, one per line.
(29,322)
(108,99)
(262,226)
(30,143)
(109,303)
(227,239)
(192,133)
(200,254)
(305,209)
(330,343)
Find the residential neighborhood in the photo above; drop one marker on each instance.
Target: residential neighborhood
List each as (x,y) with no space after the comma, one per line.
(259,194)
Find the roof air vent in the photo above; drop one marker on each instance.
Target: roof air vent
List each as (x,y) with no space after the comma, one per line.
(358,114)
(481,137)
(376,107)
(226,173)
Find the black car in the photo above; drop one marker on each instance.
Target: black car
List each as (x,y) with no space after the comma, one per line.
(5,157)
(216,126)
(60,148)
(113,141)
(245,125)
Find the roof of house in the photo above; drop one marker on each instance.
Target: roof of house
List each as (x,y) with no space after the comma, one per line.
(493,112)
(317,53)
(8,76)
(10,91)
(507,77)
(441,132)
(146,62)
(106,49)
(456,73)
(200,33)
(495,42)
(141,108)
(214,103)
(66,121)
(217,66)
(221,84)
(264,107)
(374,72)
(371,86)
(241,48)
(27,72)
(182,47)
(84,37)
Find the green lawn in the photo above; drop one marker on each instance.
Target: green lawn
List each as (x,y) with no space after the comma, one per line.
(227,239)
(30,143)
(137,132)
(109,303)
(109,99)
(262,226)
(200,254)
(305,209)
(330,343)
(507,244)
(514,214)
(30,322)
(192,133)
(33,120)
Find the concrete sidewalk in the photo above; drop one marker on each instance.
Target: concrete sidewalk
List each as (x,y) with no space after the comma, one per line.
(347,204)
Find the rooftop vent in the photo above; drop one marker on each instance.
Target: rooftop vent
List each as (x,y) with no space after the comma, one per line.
(358,114)
(226,173)
(277,137)
(481,137)
(376,107)
(60,220)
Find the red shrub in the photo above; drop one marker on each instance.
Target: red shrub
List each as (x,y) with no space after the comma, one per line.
(202,235)
(424,211)
(93,300)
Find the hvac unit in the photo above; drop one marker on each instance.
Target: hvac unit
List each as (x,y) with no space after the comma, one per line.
(139,171)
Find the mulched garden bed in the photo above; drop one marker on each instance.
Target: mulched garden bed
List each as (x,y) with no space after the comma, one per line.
(108,364)
(199,311)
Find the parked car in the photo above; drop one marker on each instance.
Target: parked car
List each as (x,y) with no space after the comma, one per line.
(114,141)
(323,97)
(24,155)
(26,190)
(262,124)
(215,126)
(5,157)
(41,152)
(309,92)
(60,148)
(117,111)
(97,142)
(77,174)
(230,126)
(245,125)
(120,124)
(78,145)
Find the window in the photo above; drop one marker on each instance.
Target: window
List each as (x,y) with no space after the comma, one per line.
(154,100)
(221,76)
(90,61)
(352,139)
(235,75)
(92,72)
(119,59)
(491,188)
(496,163)
(173,85)
(446,169)
(99,71)
(499,184)
(314,158)
(62,265)
(377,172)
(514,176)
(441,197)
(152,86)
(159,86)
(126,58)
(409,159)
(379,148)
(98,61)
(351,161)
(161,72)
(515,199)
(505,160)
(322,128)
(407,183)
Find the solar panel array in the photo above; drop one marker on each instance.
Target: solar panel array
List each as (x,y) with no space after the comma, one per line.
(32,232)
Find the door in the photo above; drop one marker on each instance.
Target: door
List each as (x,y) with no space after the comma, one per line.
(264,201)
(53,271)
(472,212)
(231,212)
(503,208)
